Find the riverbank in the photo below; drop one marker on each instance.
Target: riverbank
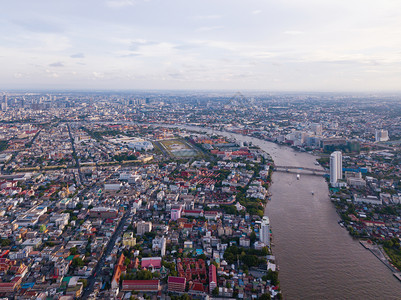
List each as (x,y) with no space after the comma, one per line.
(356,219)
(378,251)
(335,266)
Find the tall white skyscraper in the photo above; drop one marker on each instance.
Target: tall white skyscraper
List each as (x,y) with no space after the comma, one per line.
(264,236)
(336,167)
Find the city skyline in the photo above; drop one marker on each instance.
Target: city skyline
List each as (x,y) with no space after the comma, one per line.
(227,45)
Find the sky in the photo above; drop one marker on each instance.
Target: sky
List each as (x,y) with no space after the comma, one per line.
(271,45)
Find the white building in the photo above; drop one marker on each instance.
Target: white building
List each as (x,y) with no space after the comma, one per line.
(159,244)
(336,167)
(244,242)
(265,231)
(141,145)
(381,135)
(112,186)
(143,227)
(368,199)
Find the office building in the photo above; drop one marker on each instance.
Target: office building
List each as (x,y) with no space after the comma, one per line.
(381,135)
(264,236)
(143,227)
(4,103)
(336,167)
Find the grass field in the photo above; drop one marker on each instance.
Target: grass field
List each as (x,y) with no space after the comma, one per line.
(178,148)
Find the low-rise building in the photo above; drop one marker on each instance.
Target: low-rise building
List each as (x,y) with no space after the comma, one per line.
(176,284)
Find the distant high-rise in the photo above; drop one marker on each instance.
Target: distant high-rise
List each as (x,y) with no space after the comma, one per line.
(336,167)
(381,135)
(4,103)
(264,236)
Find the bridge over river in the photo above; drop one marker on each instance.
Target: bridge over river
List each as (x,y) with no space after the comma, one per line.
(298,170)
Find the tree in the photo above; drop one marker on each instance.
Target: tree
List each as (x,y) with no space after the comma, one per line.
(77,262)
(215,291)
(74,251)
(250,260)
(265,251)
(144,275)
(127,261)
(235,293)
(5,242)
(202,256)
(273,277)
(265,297)
(253,237)
(84,282)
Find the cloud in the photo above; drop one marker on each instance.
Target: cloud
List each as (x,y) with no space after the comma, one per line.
(293,32)
(130,54)
(136,44)
(120,3)
(209,28)
(97,75)
(207,17)
(256,12)
(39,26)
(52,74)
(77,55)
(56,64)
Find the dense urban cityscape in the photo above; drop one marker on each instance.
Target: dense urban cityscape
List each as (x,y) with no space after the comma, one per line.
(125,195)
(202,149)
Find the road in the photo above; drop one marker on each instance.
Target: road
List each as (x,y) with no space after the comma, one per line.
(107,252)
(75,155)
(162,149)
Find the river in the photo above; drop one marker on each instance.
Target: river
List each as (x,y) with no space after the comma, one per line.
(318,259)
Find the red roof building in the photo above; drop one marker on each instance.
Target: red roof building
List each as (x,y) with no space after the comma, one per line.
(193,213)
(212,278)
(151,262)
(197,288)
(141,285)
(176,284)
(119,268)
(6,287)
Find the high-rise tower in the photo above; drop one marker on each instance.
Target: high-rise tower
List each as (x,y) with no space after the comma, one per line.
(4,103)
(336,167)
(265,231)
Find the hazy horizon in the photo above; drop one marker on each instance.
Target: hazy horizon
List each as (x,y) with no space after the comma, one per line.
(228,45)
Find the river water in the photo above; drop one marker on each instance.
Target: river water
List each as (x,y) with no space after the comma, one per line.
(318,259)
